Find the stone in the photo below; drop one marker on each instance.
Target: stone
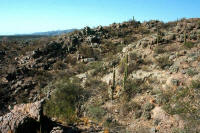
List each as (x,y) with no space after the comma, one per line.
(93,39)
(22,117)
(159,114)
(153,130)
(169,37)
(57,130)
(190,26)
(87,60)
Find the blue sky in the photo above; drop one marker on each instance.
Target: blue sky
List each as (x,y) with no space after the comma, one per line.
(27,16)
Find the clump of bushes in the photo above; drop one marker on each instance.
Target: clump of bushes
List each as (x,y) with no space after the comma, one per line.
(133,87)
(192,72)
(59,65)
(189,44)
(96,112)
(128,107)
(195,84)
(88,51)
(111,48)
(183,102)
(64,102)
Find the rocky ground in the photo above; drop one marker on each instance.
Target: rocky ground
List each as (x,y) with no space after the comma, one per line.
(155,86)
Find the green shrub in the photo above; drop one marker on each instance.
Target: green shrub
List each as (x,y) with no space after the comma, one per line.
(131,88)
(64,101)
(195,84)
(59,65)
(96,112)
(80,68)
(192,72)
(189,45)
(88,51)
(129,107)
(185,103)
(98,68)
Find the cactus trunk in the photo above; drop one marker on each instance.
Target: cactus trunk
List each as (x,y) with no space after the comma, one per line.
(113,84)
(125,73)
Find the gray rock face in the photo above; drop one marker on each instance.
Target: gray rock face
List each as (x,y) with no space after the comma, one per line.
(190,26)
(147,41)
(16,122)
(22,118)
(169,37)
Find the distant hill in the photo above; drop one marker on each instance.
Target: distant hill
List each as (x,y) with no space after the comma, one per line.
(53,33)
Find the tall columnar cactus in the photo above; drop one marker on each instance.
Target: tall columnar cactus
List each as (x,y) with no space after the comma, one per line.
(113,83)
(184,36)
(125,72)
(157,36)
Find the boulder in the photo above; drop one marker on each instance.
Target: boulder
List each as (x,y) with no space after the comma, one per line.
(169,37)
(190,26)
(2,53)
(86,60)
(93,39)
(22,118)
(57,130)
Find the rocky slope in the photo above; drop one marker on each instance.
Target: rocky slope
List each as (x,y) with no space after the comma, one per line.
(156,80)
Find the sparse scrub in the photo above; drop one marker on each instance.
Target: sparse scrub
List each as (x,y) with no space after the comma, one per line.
(59,65)
(131,88)
(192,72)
(164,62)
(185,103)
(129,106)
(70,60)
(96,112)
(133,56)
(160,50)
(108,47)
(189,44)
(195,84)
(86,51)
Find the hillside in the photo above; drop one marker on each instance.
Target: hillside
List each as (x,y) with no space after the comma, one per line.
(53,33)
(126,77)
